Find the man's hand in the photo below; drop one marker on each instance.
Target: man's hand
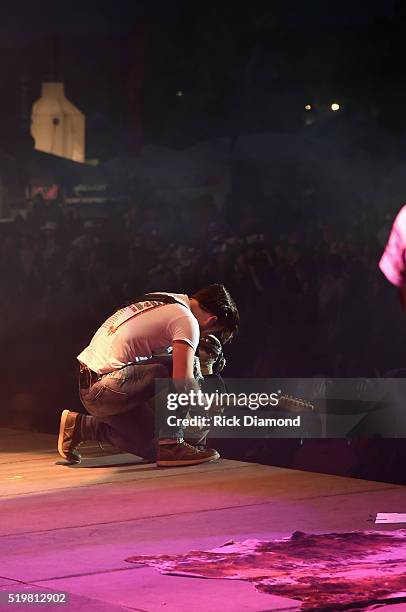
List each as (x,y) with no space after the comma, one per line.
(211,355)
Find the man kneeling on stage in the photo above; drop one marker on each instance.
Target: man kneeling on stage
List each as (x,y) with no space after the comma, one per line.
(154,337)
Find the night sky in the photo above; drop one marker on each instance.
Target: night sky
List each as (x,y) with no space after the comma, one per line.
(338,12)
(21,20)
(229,58)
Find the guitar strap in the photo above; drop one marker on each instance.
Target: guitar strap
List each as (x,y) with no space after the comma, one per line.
(141,304)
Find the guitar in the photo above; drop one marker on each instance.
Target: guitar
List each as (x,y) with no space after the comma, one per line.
(290,403)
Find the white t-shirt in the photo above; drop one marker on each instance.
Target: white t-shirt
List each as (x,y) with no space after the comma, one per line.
(392,263)
(129,336)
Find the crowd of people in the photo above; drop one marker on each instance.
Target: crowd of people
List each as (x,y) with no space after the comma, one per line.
(312,299)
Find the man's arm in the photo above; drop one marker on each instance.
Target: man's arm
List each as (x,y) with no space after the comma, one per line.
(183,357)
(393,262)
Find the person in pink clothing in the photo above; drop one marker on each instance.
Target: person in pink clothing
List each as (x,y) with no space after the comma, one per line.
(393,260)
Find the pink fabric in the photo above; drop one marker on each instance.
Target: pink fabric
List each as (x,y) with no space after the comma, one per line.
(392,263)
(330,571)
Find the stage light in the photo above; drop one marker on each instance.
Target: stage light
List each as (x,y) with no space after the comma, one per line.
(335,106)
(308,107)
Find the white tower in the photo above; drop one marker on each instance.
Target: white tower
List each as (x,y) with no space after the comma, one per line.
(57,126)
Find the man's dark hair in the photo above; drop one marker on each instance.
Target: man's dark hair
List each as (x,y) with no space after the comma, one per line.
(217,300)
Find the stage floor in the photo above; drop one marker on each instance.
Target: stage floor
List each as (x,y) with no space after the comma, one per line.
(69,529)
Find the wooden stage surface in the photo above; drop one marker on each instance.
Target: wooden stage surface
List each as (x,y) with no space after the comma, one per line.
(69,529)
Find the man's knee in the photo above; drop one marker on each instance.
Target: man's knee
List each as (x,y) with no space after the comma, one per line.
(143,382)
(160,370)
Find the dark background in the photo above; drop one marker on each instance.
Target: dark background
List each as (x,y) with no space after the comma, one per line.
(310,195)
